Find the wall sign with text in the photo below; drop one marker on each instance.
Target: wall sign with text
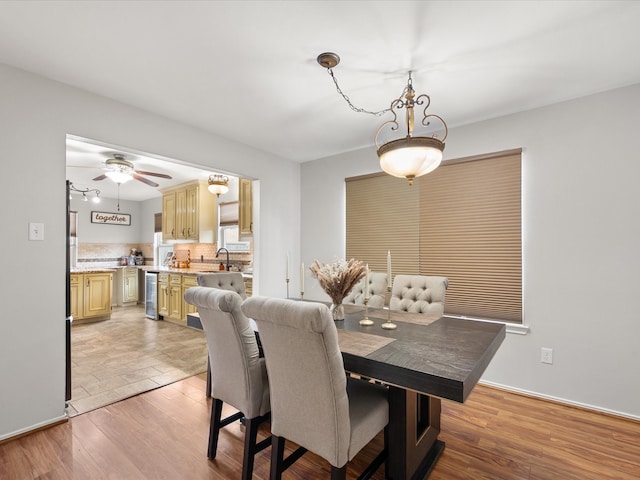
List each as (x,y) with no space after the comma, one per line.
(111,218)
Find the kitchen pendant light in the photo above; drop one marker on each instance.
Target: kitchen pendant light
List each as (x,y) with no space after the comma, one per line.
(406,157)
(218,184)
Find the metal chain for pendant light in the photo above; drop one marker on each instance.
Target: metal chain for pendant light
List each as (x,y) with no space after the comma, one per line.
(329,60)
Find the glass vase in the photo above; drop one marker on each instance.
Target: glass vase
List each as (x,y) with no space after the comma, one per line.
(337,311)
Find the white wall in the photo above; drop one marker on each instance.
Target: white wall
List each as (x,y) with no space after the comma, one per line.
(581,237)
(35,117)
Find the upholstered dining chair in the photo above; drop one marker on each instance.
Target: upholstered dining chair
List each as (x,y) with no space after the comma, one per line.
(419,294)
(224,280)
(238,373)
(377,291)
(313,402)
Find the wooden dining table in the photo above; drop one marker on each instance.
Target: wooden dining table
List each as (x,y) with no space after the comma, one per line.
(422,361)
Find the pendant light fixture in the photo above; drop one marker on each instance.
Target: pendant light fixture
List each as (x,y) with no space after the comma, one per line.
(409,156)
(218,184)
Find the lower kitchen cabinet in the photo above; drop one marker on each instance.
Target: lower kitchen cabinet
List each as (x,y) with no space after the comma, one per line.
(188,281)
(163,295)
(130,286)
(91,296)
(171,304)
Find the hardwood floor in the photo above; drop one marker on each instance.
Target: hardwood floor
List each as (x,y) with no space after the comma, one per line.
(130,354)
(162,434)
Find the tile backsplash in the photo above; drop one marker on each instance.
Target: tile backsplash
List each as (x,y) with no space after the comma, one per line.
(109,254)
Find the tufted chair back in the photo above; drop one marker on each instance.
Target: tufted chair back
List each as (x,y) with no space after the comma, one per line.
(224,281)
(313,402)
(377,291)
(419,294)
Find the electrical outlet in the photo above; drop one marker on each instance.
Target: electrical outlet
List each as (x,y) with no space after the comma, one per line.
(546,355)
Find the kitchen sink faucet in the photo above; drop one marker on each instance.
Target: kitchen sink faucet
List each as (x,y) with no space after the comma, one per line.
(218,253)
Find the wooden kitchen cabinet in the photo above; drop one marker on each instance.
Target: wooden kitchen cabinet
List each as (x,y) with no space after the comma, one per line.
(189,213)
(163,295)
(175,297)
(188,281)
(171,304)
(245,208)
(91,296)
(77,295)
(169,227)
(130,286)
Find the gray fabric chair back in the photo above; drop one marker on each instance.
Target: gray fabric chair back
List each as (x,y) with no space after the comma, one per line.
(377,291)
(419,294)
(238,374)
(309,400)
(224,280)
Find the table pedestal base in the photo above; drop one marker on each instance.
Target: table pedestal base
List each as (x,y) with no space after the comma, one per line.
(414,425)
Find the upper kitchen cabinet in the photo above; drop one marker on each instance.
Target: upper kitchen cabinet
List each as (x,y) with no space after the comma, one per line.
(189,213)
(245,209)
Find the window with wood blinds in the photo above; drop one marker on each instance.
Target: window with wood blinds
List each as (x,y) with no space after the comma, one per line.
(468,230)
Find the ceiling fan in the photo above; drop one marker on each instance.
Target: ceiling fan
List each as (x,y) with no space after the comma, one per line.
(120,170)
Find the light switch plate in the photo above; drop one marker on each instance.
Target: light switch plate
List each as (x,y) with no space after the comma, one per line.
(36,231)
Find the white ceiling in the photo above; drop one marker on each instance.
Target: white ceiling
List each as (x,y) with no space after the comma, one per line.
(247,70)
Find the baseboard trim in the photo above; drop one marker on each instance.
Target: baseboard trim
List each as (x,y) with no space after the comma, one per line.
(34,428)
(561,401)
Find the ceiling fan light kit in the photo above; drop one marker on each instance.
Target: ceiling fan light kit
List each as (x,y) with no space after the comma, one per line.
(406,157)
(121,170)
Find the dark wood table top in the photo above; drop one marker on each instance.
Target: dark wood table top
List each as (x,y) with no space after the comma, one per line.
(444,357)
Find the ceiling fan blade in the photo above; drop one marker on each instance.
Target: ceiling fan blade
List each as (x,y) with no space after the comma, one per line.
(161,175)
(99,177)
(145,180)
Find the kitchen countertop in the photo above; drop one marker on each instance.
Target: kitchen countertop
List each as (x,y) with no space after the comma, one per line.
(193,270)
(94,270)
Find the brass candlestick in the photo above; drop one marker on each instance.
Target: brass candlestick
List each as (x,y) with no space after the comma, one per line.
(389,325)
(366,321)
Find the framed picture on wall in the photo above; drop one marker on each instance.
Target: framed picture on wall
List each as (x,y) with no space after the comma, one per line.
(167,259)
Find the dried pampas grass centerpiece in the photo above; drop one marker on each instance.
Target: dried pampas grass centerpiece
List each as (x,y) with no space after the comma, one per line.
(338,279)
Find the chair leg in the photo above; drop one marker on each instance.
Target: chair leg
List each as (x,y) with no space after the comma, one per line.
(214,427)
(277,457)
(250,436)
(339,473)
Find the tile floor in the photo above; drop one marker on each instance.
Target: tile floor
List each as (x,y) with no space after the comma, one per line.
(130,354)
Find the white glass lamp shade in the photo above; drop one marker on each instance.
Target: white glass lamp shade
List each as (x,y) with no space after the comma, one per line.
(411,157)
(218,188)
(118,176)
(218,184)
